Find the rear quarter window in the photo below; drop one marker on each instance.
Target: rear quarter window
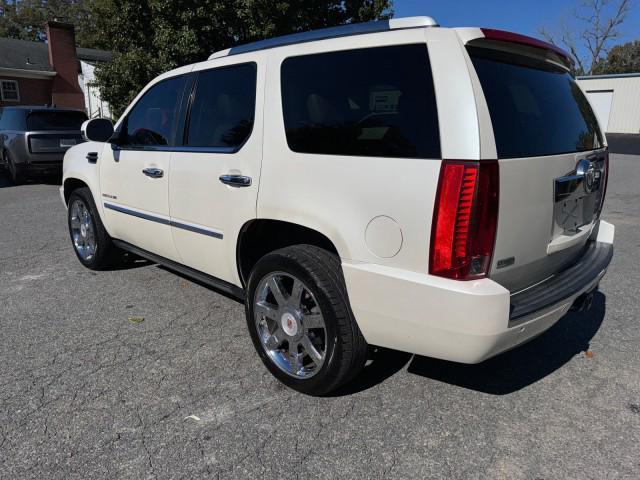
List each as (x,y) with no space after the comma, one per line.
(536,109)
(368,102)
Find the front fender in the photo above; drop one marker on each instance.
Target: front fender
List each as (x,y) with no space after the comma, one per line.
(76,167)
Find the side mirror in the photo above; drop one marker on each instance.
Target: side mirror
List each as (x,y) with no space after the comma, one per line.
(97,130)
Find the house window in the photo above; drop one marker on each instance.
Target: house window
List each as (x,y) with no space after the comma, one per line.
(9,91)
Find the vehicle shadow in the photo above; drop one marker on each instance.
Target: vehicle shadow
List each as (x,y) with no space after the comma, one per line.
(523,366)
(6,182)
(383,363)
(501,375)
(129,261)
(198,282)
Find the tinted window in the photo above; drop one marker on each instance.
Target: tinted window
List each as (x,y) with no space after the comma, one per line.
(153,120)
(43,120)
(536,109)
(223,107)
(12,119)
(369,102)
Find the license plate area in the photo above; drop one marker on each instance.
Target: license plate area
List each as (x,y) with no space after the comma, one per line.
(578,197)
(67,142)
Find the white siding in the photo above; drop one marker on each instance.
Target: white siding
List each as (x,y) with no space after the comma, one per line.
(601,101)
(625,107)
(93,103)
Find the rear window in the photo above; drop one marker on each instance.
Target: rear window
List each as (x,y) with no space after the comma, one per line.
(55,120)
(368,102)
(536,109)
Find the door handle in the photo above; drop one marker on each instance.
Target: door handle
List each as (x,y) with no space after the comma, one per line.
(153,172)
(236,180)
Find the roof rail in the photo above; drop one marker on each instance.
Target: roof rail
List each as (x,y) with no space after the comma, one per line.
(331,32)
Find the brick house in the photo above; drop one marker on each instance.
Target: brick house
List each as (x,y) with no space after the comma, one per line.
(52,73)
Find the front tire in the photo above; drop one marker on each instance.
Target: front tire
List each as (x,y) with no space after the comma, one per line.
(91,242)
(300,320)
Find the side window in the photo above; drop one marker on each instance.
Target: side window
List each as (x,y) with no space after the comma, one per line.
(12,119)
(223,107)
(368,102)
(153,120)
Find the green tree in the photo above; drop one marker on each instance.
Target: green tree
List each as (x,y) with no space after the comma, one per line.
(589,34)
(25,19)
(623,58)
(148,37)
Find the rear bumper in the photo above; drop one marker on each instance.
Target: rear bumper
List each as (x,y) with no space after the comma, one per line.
(590,268)
(465,322)
(43,166)
(38,159)
(40,163)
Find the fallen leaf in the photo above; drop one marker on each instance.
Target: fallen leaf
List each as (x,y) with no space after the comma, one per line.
(136,319)
(193,417)
(588,354)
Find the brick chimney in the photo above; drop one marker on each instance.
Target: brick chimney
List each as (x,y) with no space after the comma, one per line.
(65,90)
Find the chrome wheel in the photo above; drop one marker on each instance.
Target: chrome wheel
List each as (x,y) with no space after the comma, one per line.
(290,325)
(82,230)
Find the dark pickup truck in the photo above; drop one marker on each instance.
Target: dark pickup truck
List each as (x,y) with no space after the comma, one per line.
(33,140)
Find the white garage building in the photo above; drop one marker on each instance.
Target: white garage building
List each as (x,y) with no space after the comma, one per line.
(616,100)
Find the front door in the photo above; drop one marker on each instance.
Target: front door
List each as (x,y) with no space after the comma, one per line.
(213,184)
(135,174)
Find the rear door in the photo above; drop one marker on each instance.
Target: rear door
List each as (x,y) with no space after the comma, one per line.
(215,173)
(551,157)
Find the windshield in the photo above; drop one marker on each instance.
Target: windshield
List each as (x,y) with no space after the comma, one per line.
(536,109)
(42,120)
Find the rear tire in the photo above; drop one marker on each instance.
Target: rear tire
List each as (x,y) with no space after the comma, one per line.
(306,335)
(91,242)
(16,173)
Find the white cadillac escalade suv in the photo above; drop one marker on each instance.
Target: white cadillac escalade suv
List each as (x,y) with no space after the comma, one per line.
(431,190)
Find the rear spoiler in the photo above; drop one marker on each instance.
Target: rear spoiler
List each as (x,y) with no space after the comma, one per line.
(477,35)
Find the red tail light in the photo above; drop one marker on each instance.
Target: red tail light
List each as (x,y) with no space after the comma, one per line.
(465,219)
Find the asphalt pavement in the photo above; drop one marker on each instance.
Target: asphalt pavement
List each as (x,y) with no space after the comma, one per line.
(87,393)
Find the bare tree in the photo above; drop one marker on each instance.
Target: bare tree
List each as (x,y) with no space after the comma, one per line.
(589,38)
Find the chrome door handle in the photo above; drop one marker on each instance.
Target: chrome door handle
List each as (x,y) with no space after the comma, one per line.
(153,172)
(236,180)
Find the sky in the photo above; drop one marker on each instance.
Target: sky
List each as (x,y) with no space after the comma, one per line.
(519,16)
